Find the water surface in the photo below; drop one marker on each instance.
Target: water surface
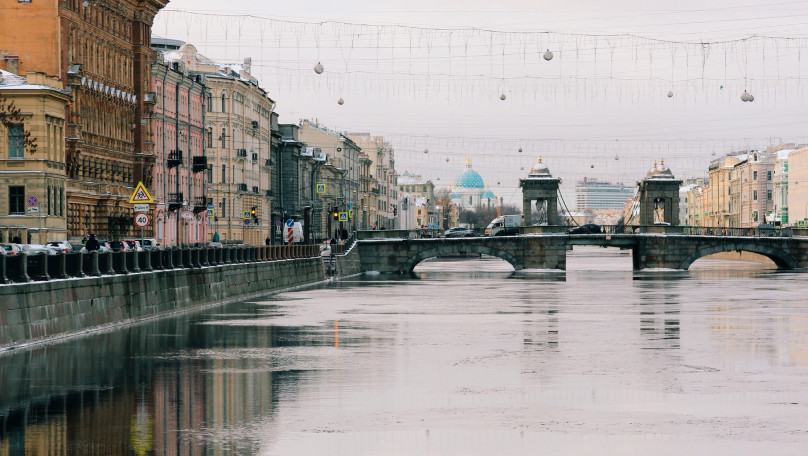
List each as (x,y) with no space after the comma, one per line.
(465,358)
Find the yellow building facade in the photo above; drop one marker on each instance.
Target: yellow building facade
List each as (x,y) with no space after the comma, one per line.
(32,169)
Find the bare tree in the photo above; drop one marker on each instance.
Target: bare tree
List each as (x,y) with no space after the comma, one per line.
(11,115)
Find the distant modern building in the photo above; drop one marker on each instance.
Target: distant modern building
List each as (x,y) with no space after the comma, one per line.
(420,197)
(591,194)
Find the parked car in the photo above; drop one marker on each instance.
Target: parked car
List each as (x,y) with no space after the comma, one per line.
(119,246)
(11,249)
(134,245)
(62,246)
(37,249)
(589,228)
(149,243)
(77,247)
(215,245)
(458,231)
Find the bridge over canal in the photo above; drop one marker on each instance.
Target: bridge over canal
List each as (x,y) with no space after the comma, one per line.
(548,251)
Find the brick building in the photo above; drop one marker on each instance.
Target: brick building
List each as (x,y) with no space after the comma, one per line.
(99,49)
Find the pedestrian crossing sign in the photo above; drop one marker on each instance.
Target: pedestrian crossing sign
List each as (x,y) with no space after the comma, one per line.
(141,195)
(350,213)
(343,216)
(320,188)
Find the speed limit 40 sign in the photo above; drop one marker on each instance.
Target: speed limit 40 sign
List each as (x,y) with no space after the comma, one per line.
(141,219)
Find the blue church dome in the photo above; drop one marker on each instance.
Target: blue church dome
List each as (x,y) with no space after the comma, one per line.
(469,178)
(488,195)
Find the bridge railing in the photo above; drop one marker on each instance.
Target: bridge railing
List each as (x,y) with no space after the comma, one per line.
(702,230)
(27,268)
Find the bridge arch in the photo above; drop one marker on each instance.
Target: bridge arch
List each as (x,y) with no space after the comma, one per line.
(780,258)
(447,249)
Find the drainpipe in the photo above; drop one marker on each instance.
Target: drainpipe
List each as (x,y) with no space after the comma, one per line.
(165,164)
(177,145)
(190,168)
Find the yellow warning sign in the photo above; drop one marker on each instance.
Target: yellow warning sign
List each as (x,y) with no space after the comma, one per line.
(141,195)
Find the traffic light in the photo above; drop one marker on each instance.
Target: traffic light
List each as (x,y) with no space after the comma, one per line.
(254,215)
(395,210)
(335,213)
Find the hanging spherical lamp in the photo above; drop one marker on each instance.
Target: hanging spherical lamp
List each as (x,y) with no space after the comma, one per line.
(497,182)
(319,68)
(439,178)
(502,97)
(670,94)
(522,168)
(746,96)
(520,150)
(447,160)
(548,55)
(592,165)
(617,157)
(426,151)
(340,101)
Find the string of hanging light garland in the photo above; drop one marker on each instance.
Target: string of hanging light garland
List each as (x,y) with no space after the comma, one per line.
(384,46)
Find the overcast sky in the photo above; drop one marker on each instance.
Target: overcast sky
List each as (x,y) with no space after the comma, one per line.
(432,77)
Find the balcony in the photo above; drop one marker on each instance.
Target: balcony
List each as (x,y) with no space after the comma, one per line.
(200,204)
(268,163)
(200,163)
(268,193)
(242,187)
(174,159)
(241,153)
(255,190)
(174,201)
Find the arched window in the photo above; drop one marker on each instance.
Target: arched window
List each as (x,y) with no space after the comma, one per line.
(223,138)
(224,102)
(210,102)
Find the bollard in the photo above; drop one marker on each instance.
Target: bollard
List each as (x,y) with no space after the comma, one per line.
(110,265)
(176,257)
(132,261)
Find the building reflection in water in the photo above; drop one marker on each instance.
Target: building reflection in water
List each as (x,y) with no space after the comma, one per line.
(145,390)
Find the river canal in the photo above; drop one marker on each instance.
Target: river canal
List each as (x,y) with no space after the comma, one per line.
(466,358)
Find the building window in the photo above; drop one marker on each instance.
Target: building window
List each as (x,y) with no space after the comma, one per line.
(16,200)
(224,174)
(754,216)
(754,195)
(768,195)
(768,175)
(210,102)
(754,175)
(16,141)
(223,138)
(224,102)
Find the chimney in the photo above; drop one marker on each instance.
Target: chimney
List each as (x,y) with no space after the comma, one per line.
(12,62)
(248,65)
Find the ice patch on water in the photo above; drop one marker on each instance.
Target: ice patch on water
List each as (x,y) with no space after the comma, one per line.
(538,271)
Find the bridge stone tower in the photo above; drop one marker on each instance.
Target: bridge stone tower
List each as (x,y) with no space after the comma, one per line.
(540,186)
(659,196)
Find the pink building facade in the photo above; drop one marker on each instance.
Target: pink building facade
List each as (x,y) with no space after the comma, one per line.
(179,215)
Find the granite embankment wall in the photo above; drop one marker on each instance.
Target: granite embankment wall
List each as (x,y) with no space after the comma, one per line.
(37,312)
